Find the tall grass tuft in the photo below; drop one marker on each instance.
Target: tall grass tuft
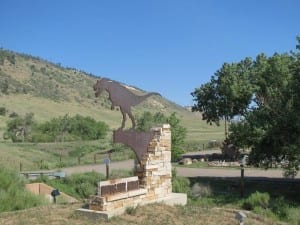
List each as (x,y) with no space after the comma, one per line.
(180,184)
(257,199)
(13,195)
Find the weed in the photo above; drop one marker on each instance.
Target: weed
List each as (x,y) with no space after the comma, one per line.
(181,185)
(257,199)
(293,215)
(132,210)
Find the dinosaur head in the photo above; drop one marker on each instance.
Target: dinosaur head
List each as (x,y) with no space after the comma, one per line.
(98,87)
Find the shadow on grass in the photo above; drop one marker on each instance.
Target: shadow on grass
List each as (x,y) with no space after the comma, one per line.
(228,190)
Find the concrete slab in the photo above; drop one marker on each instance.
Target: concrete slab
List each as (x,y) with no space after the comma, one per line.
(172,199)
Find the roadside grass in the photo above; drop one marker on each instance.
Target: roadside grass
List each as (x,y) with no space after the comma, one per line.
(283,202)
(44,156)
(210,201)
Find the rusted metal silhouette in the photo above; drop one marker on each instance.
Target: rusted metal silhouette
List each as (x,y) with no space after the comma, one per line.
(120,96)
(136,140)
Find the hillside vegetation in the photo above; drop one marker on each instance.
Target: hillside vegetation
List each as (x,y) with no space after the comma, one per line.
(30,84)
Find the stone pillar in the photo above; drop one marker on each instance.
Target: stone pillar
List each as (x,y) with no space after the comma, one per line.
(155,170)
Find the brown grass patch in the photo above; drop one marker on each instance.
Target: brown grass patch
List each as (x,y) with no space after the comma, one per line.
(144,215)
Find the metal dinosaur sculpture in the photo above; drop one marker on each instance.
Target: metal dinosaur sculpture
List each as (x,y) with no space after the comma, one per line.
(120,96)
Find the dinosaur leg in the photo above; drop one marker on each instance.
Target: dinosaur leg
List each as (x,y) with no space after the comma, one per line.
(132,119)
(124,118)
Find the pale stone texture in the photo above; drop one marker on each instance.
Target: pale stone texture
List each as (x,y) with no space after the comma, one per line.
(154,174)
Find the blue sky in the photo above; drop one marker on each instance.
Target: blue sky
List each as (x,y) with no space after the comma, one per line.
(166,46)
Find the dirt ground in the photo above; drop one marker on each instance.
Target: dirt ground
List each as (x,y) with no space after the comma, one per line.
(142,215)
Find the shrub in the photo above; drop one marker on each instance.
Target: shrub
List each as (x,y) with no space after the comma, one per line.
(120,173)
(293,215)
(85,189)
(257,199)
(180,185)
(13,115)
(131,210)
(280,207)
(2,111)
(40,137)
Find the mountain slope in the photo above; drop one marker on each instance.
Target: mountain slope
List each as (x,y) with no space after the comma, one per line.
(31,84)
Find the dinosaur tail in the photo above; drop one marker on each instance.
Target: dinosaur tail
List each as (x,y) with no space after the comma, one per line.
(149,94)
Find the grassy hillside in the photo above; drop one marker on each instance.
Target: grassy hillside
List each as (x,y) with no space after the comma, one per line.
(30,84)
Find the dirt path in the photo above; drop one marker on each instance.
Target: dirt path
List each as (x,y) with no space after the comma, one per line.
(182,171)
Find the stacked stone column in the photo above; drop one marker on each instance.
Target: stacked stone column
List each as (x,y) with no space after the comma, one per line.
(155,170)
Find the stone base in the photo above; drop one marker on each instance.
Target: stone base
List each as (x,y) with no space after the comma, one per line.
(171,199)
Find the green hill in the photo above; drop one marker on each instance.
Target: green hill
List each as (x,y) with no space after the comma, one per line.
(30,84)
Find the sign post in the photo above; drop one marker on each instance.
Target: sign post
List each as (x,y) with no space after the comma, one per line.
(107,162)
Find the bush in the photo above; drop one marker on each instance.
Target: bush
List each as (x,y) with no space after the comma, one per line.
(2,111)
(180,184)
(293,215)
(257,199)
(85,189)
(131,210)
(40,137)
(280,207)
(13,115)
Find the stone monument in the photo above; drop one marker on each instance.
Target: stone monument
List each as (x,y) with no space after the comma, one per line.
(153,170)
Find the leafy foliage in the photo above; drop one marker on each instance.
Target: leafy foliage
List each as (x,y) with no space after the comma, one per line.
(19,128)
(148,120)
(265,94)
(64,128)
(2,111)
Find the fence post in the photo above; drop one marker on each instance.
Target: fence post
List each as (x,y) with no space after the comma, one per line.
(242,180)
(21,167)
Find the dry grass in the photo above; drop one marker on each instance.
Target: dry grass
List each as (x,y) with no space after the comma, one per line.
(145,215)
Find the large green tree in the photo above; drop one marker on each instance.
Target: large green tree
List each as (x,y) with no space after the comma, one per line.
(265,93)
(228,93)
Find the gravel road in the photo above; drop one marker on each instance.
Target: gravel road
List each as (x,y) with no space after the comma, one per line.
(185,172)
